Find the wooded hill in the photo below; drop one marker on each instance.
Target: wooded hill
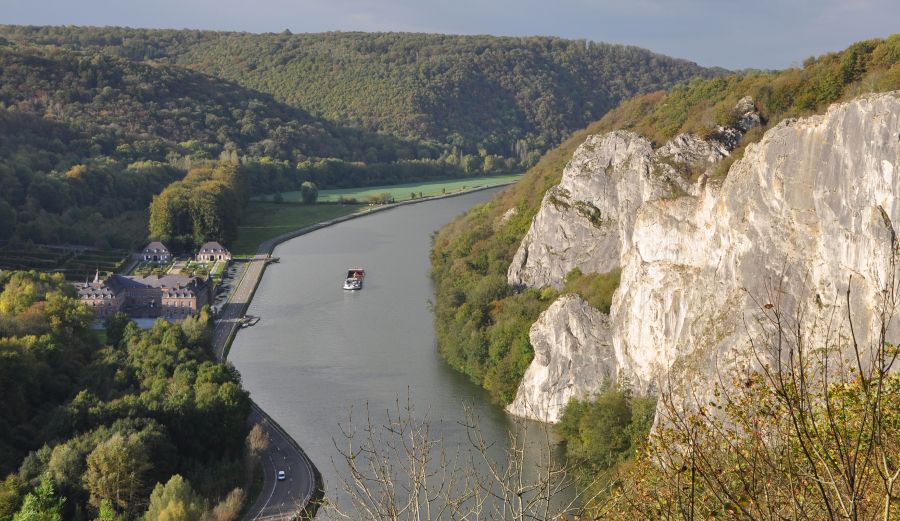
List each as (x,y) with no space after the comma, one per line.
(87,139)
(95,121)
(510,97)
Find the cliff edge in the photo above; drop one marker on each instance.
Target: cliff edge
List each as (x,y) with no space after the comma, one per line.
(814,202)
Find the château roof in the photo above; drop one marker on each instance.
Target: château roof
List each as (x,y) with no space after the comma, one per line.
(212,247)
(170,285)
(156,247)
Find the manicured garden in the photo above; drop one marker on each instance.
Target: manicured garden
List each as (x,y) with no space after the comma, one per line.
(401,192)
(75,263)
(145,268)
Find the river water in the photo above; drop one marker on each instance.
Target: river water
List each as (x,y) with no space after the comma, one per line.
(320,351)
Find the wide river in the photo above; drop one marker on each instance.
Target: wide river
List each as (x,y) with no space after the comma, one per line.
(320,351)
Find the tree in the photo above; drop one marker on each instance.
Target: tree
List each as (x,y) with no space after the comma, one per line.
(398,470)
(108,513)
(257,440)
(42,504)
(309,192)
(229,508)
(174,501)
(471,164)
(116,470)
(115,328)
(12,490)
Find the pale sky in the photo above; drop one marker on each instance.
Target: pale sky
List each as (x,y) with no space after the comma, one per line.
(731,34)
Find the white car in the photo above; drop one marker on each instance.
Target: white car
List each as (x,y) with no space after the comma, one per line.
(280,475)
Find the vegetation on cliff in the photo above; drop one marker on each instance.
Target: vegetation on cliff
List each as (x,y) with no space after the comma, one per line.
(88,429)
(482,323)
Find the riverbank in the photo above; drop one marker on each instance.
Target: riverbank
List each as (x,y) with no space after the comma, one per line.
(229,318)
(400,192)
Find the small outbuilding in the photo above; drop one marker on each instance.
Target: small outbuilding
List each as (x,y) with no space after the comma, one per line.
(213,251)
(156,252)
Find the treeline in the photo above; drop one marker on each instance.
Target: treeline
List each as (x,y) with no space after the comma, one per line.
(482,324)
(476,95)
(88,430)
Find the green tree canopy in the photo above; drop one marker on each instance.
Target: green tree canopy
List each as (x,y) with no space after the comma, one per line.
(309,192)
(42,504)
(174,501)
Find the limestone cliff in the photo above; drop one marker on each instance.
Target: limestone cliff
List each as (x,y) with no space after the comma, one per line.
(586,221)
(572,351)
(813,202)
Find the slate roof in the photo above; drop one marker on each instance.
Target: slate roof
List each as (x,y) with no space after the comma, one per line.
(212,247)
(156,247)
(172,286)
(94,290)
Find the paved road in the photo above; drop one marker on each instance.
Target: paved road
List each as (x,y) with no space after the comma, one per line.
(230,315)
(281,499)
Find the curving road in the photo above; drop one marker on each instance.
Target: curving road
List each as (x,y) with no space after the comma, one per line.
(288,498)
(279,500)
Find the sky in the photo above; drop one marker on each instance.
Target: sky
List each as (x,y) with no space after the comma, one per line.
(764,34)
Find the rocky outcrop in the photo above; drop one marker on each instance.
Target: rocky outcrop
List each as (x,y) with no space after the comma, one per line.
(586,222)
(814,202)
(573,355)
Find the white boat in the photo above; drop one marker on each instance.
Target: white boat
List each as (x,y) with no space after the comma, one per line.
(354,280)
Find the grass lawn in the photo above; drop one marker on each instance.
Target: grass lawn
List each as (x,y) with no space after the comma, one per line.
(404,191)
(262,221)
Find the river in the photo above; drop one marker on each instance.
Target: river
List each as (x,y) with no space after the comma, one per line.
(320,351)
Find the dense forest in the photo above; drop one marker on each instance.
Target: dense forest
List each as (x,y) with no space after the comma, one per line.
(482,323)
(86,140)
(95,121)
(509,97)
(112,429)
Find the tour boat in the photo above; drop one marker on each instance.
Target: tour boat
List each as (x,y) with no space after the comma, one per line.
(354,278)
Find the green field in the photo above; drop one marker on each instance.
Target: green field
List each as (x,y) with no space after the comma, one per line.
(262,221)
(402,192)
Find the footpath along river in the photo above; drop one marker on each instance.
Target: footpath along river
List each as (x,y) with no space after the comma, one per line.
(320,351)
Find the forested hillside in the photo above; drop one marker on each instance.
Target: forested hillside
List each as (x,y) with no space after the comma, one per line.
(87,139)
(88,427)
(513,98)
(482,323)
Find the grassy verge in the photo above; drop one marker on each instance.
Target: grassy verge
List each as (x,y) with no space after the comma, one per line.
(406,191)
(262,221)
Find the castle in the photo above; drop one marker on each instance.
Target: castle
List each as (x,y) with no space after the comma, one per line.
(153,296)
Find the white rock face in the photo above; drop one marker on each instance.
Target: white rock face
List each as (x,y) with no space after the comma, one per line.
(572,353)
(586,222)
(815,201)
